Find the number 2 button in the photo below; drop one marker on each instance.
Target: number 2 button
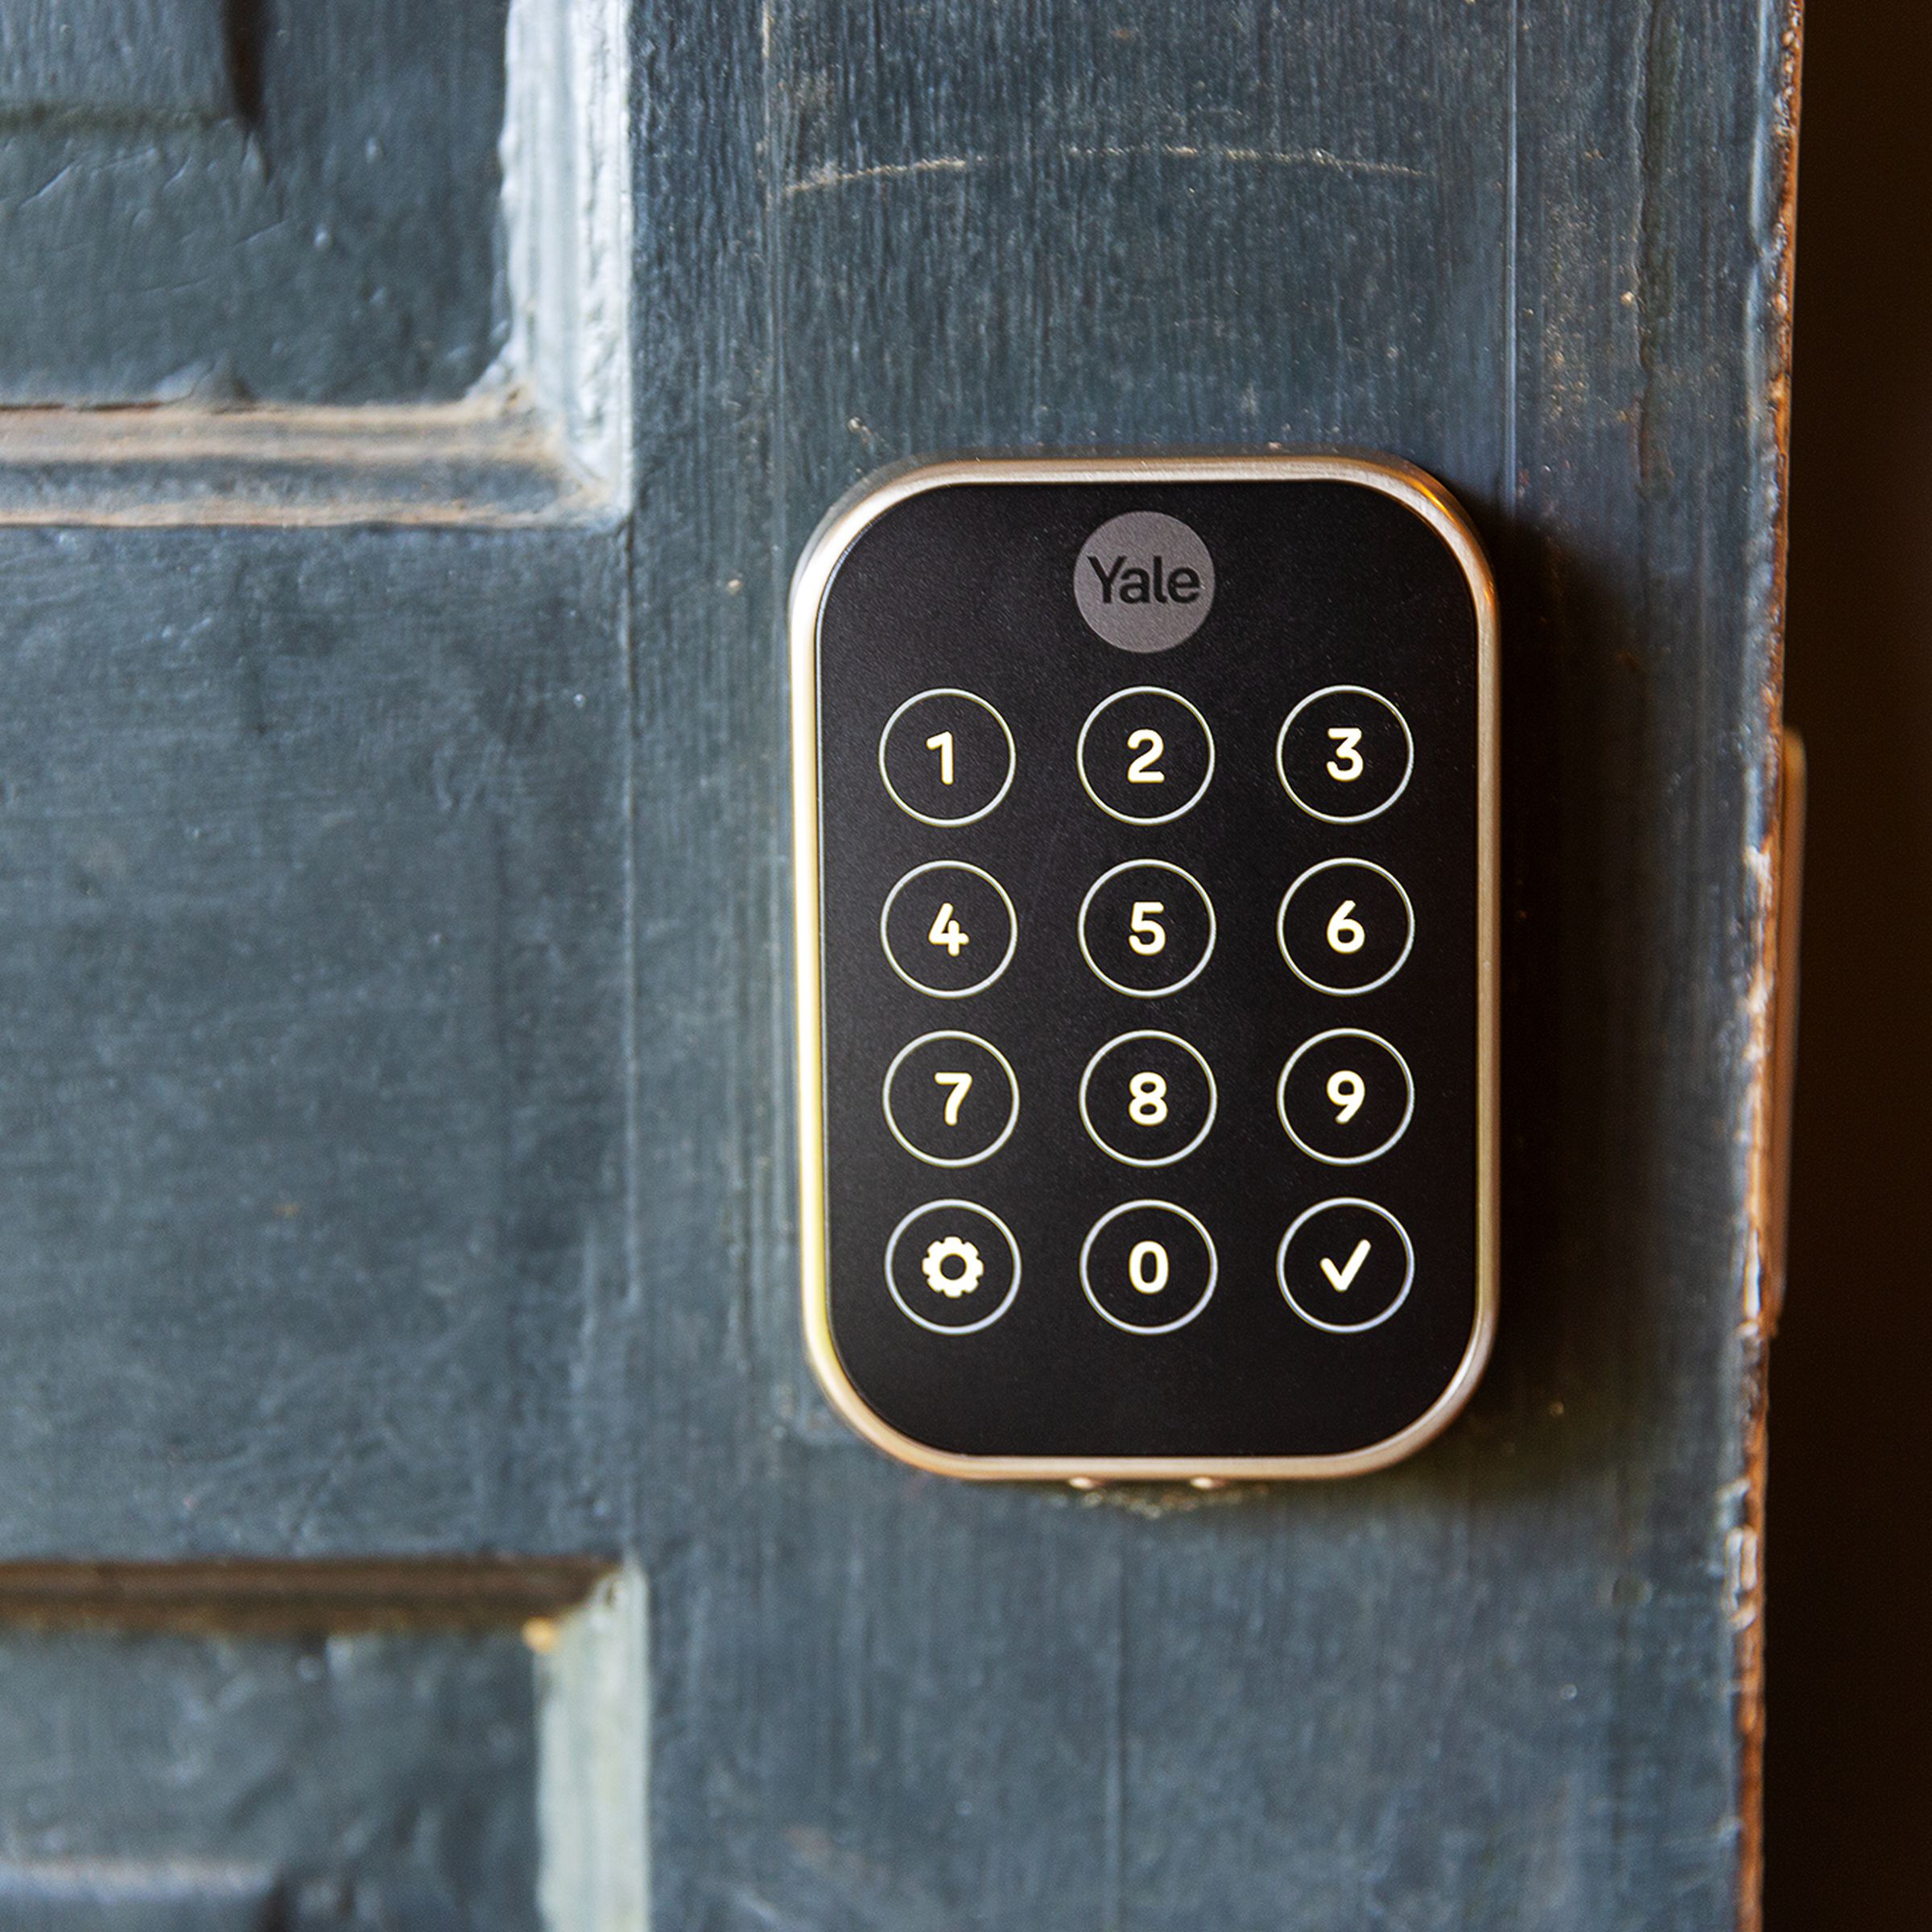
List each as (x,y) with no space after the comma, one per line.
(1144,755)
(948,929)
(1345,925)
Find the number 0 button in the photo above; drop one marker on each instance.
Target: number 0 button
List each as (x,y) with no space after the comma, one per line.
(951,1099)
(1345,925)
(948,929)
(1149,1267)
(1146,928)
(1147,1099)
(1344,753)
(946,756)
(1145,755)
(1345,1096)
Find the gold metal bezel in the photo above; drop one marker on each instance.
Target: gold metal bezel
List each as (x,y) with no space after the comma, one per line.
(811,581)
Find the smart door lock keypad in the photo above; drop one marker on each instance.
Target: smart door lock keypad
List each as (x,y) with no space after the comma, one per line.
(1175,981)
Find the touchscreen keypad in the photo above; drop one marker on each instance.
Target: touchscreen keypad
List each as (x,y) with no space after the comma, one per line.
(1117,975)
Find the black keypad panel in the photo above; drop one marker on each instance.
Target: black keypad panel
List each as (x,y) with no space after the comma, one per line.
(1146,845)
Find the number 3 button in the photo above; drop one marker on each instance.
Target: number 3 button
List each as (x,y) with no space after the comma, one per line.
(1146,928)
(948,929)
(1345,925)
(1344,754)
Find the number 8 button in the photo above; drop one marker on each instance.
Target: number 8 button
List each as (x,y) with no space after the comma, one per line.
(1345,925)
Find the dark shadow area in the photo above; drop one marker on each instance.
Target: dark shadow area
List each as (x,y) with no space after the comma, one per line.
(1849,1780)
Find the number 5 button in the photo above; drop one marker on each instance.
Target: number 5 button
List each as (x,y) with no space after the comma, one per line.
(1345,925)
(1146,928)
(948,929)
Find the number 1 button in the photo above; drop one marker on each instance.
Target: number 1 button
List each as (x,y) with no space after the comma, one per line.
(946,756)
(948,929)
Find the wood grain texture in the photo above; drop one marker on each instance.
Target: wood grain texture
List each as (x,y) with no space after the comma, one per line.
(268,200)
(1524,246)
(395,1142)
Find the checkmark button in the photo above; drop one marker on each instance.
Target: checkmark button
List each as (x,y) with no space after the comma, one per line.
(1345,1265)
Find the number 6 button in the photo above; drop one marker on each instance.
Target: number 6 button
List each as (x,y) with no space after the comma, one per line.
(1345,925)
(948,929)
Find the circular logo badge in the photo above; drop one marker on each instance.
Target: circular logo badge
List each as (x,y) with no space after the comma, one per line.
(1143,582)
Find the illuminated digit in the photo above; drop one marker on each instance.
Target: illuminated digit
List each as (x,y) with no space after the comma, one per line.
(1142,770)
(1148,1105)
(961,1084)
(1345,935)
(1346,1093)
(1147,1267)
(943,744)
(946,932)
(1346,766)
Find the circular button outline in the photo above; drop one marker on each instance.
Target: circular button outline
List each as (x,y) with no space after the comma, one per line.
(1013,1087)
(1113,1214)
(1354,818)
(1159,993)
(949,691)
(1164,1160)
(1012,930)
(1345,992)
(1280,1096)
(892,1287)
(1145,691)
(1308,1214)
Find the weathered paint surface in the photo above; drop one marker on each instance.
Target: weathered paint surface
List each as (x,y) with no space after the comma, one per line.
(394,1155)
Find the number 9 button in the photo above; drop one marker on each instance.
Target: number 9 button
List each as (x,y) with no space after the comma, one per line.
(1345,1096)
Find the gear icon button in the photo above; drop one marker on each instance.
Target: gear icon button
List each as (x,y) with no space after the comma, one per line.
(952,1267)
(941,1277)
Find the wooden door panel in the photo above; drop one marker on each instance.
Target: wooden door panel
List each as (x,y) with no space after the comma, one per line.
(392,927)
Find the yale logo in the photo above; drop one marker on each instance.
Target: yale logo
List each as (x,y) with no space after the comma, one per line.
(1143,582)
